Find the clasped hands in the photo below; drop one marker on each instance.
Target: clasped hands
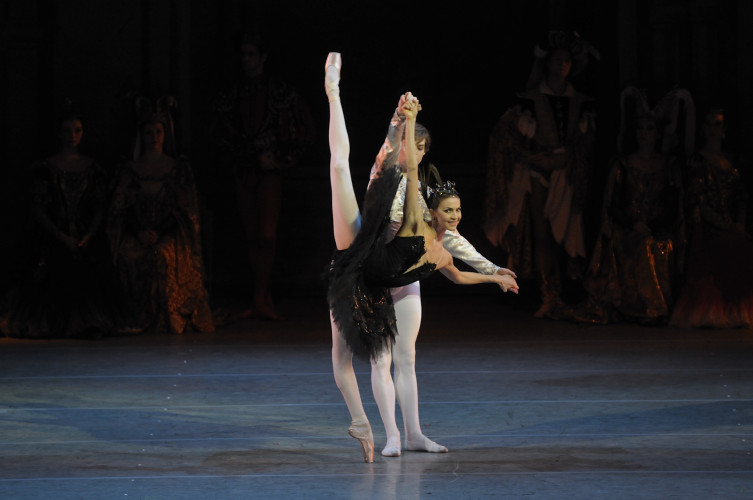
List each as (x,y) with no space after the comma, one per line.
(410,103)
(505,278)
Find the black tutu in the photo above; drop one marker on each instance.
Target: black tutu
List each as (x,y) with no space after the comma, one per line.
(360,277)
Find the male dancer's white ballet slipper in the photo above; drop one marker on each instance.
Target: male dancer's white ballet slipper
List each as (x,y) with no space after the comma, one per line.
(425,444)
(362,432)
(392,448)
(332,80)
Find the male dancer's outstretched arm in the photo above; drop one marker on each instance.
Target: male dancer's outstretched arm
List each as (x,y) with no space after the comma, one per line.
(461,249)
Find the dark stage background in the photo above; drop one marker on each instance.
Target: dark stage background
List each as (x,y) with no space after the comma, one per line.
(465,60)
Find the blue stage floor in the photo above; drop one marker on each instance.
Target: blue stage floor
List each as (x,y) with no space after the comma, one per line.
(528,408)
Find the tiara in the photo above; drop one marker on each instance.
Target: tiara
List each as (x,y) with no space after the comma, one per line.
(443,190)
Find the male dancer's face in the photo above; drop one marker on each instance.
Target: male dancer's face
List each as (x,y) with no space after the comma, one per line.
(420,152)
(252,60)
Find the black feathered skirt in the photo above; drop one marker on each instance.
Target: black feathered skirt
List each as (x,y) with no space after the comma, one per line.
(359,278)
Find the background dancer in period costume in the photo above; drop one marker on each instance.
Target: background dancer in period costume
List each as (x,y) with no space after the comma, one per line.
(636,265)
(540,156)
(154,231)
(262,128)
(73,289)
(718,292)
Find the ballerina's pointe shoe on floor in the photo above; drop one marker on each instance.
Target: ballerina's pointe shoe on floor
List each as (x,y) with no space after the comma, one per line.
(392,448)
(425,444)
(332,75)
(362,432)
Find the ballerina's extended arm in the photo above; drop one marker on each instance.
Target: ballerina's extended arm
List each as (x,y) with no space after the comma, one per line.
(413,214)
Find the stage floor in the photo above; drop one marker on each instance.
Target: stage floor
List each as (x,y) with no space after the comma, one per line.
(528,408)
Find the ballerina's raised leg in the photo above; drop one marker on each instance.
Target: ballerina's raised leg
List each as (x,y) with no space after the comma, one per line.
(346,221)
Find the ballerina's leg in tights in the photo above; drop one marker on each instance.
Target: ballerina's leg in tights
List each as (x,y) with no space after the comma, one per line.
(346,221)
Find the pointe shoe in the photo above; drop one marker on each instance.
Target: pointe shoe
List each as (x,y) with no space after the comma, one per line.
(334,59)
(332,83)
(362,432)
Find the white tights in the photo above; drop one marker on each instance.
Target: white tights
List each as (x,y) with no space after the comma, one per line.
(345,376)
(346,220)
(407,300)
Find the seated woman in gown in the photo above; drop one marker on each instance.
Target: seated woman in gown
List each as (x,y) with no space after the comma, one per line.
(155,235)
(636,263)
(72,290)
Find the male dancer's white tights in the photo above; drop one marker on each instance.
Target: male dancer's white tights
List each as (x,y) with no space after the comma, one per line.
(407,300)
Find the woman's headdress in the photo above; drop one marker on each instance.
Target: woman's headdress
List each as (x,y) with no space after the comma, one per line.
(160,110)
(674,115)
(581,50)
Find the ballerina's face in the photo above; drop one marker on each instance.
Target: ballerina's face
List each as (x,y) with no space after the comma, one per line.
(447,214)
